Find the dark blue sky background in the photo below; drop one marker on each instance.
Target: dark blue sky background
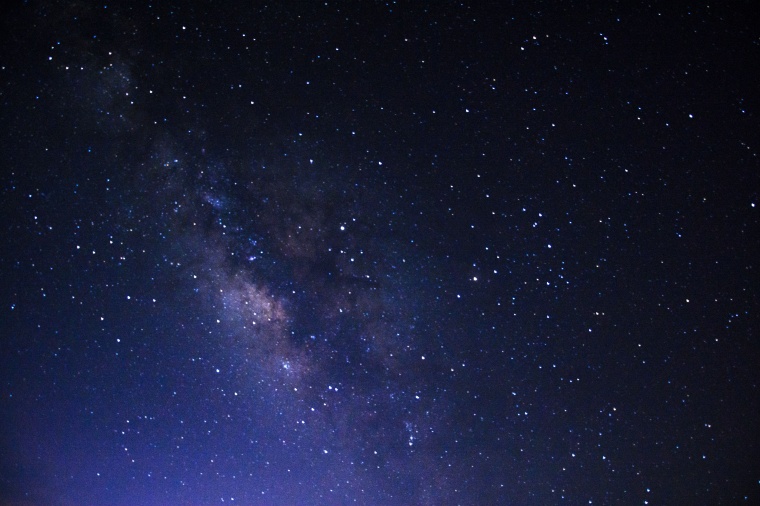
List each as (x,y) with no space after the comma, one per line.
(379,253)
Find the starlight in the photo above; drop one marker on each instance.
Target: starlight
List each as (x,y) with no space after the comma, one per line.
(373,253)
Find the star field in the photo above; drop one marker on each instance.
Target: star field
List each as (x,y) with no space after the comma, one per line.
(379,253)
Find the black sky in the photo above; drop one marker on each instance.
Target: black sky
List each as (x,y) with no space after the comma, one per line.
(379,253)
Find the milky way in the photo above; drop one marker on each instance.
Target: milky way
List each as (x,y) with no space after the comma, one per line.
(379,254)
(313,312)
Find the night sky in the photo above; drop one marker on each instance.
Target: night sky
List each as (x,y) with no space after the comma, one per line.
(379,253)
